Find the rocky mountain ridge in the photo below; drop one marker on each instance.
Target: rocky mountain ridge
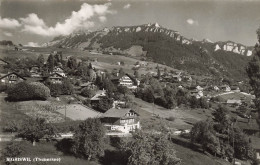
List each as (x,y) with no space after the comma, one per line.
(161,45)
(82,39)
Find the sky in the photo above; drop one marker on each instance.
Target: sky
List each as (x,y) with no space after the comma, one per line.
(34,22)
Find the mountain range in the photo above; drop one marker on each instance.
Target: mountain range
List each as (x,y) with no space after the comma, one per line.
(156,43)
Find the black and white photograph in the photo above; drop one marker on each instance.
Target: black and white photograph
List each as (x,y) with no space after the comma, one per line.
(129,82)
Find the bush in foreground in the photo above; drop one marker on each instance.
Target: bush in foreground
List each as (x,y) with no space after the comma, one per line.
(28,91)
(89,139)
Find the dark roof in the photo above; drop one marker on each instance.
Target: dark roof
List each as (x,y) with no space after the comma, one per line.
(117,113)
(86,84)
(116,78)
(4,61)
(54,74)
(15,74)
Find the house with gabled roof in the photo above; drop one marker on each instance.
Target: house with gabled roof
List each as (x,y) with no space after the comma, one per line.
(35,71)
(99,94)
(58,70)
(225,88)
(12,78)
(126,80)
(122,120)
(54,78)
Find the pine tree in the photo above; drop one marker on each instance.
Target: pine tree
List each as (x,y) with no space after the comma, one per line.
(40,60)
(158,72)
(50,63)
(253,71)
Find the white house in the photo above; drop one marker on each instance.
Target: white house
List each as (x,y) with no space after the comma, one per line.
(225,88)
(122,120)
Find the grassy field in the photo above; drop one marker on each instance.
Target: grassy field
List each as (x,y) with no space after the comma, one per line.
(104,61)
(9,113)
(237,96)
(78,112)
(184,117)
(191,157)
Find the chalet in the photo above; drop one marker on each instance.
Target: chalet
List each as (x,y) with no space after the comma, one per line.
(59,70)
(197,94)
(187,78)
(123,120)
(177,77)
(99,94)
(257,155)
(235,88)
(199,88)
(55,78)
(126,80)
(12,78)
(118,103)
(35,71)
(225,88)
(234,101)
(88,85)
(216,88)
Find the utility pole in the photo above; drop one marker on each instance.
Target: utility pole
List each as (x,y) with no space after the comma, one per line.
(65,111)
(234,159)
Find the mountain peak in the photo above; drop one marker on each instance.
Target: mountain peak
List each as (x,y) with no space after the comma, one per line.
(153,24)
(207,40)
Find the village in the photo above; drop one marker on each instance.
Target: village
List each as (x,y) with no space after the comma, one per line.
(124,101)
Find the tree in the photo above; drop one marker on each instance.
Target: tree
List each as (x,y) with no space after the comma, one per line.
(194,102)
(242,147)
(50,63)
(35,129)
(253,71)
(12,150)
(67,87)
(220,113)
(146,149)
(88,92)
(169,95)
(203,133)
(136,73)
(148,95)
(158,72)
(40,60)
(72,63)
(89,139)
(92,75)
(203,103)
(123,89)
(104,104)
(90,66)
(121,72)
(181,96)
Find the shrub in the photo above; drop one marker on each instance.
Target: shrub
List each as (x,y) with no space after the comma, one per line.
(3,87)
(66,88)
(28,91)
(11,127)
(171,118)
(88,92)
(10,151)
